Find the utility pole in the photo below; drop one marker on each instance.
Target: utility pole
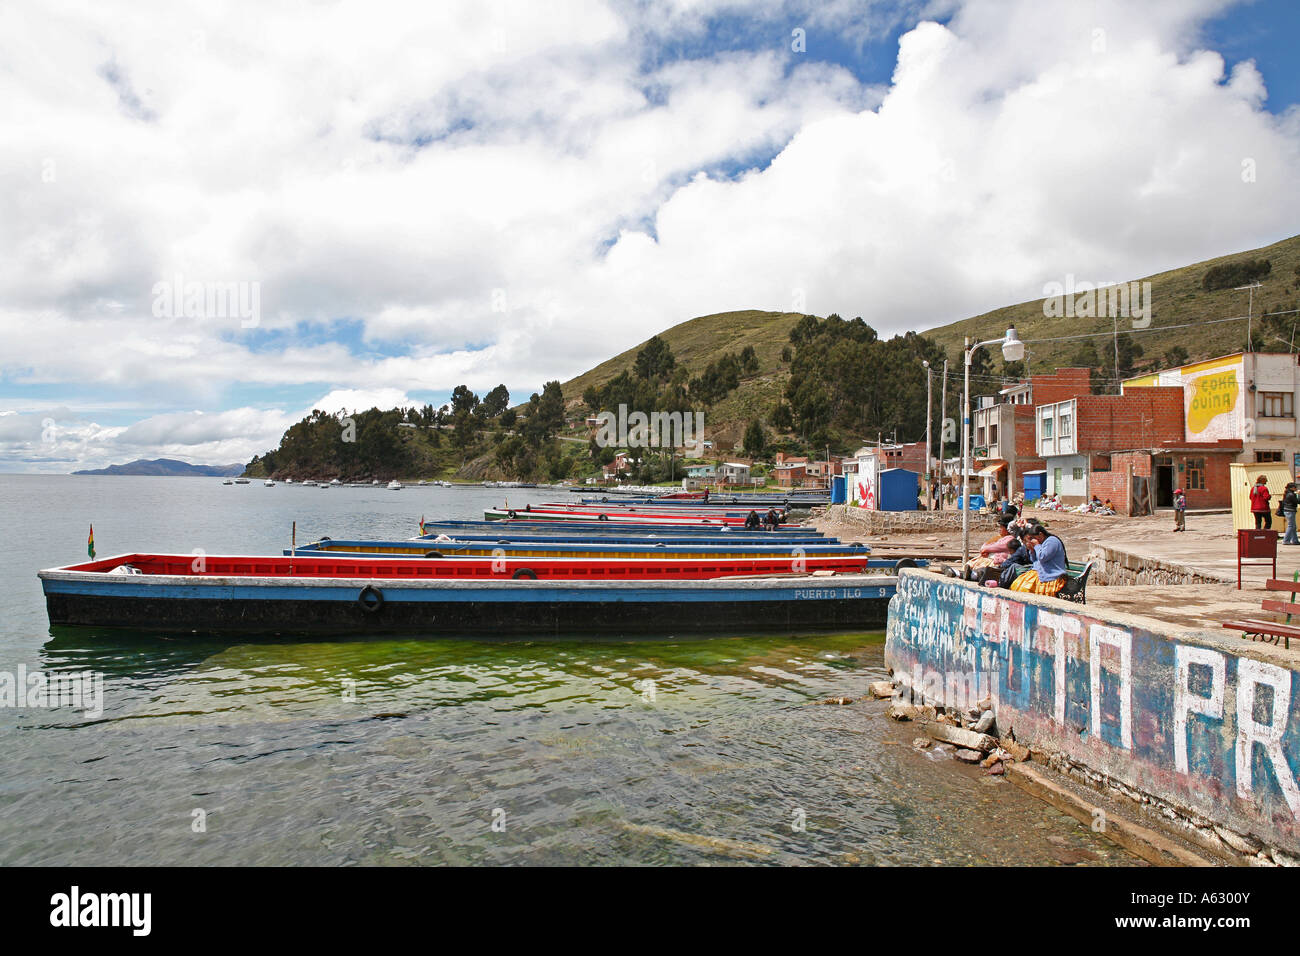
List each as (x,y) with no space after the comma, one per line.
(943,423)
(1250,311)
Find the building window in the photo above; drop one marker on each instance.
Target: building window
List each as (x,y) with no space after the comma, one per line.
(1047,427)
(993,434)
(1078,474)
(1267,455)
(1065,426)
(1276,405)
(1056,480)
(1196,474)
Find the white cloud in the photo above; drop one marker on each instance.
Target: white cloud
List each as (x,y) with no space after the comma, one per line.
(500,192)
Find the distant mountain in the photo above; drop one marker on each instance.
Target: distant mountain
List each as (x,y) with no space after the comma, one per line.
(166,467)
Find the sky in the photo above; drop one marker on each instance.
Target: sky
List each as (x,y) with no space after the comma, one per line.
(217,216)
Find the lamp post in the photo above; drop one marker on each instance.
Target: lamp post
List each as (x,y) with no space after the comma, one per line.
(929,471)
(1013,350)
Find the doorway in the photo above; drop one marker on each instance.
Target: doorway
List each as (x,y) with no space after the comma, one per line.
(1164,486)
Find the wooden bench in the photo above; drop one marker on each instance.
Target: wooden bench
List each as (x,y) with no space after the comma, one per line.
(1272,631)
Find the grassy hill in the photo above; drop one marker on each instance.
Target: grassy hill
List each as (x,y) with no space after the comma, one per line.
(1177,298)
(696,343)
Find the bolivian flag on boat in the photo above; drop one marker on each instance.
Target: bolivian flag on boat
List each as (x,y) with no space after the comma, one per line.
(421,525)
(90,543)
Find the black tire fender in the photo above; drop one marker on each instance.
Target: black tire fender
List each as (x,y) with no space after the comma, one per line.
(602,517)
(512,514)
(371,599)
(524,573)
(904,563)
(433,554)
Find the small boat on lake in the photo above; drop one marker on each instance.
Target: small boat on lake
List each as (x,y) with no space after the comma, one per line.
(394,485)
(309,595)
(451,548)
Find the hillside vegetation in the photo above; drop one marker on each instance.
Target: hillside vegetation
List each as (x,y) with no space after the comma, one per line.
(1188,295)
(768,381)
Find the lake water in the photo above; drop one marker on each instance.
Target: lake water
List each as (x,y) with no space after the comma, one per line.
(453,751)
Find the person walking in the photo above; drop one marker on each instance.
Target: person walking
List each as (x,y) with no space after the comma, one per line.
(1180,510)
(1289,501)
(1259,499)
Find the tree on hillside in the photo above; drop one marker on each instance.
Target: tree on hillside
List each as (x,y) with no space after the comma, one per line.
(1129,352)
(755,441)
(781,417)
(545,414)
(496,401)
(1229,275)
(655,361)
(1176,356)
(463,400)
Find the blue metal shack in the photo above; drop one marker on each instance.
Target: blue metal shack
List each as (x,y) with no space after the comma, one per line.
(898,489)
(1035,484)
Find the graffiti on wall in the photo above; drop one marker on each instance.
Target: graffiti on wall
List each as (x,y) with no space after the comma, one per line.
(864,484)
(1162,714)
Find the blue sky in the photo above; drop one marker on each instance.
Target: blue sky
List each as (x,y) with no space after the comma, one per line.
(561,181)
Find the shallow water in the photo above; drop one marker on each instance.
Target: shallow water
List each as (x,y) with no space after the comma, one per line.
(453,751)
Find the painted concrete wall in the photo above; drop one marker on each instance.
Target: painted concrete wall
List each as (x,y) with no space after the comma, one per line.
(1202,721)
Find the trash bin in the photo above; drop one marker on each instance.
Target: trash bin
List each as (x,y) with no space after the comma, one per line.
(1257,545)
(976,502)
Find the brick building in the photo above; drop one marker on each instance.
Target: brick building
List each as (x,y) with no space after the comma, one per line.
(1003,429)
(1078,435)
(1201,469)
(910,456)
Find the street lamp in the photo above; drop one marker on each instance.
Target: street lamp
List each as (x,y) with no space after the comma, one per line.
(929,475)
(1013,350)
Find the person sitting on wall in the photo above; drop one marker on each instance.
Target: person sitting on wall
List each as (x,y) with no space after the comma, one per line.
(1047,574)
(751,521)
(1020,559)
(771,520)
(993,551)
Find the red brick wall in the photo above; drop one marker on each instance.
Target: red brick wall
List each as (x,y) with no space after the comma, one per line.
(1061,385)
(1217,492)
(1218,487)
(1105,422)
(911,457)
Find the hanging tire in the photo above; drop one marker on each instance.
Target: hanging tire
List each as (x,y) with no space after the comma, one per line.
(371,599)
(524,573)
(433,554)
(327,539)
(512,514)
(602,518)
(904,563)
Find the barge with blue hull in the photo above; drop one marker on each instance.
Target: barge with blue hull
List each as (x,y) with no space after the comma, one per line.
(574,548)
(277,596)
